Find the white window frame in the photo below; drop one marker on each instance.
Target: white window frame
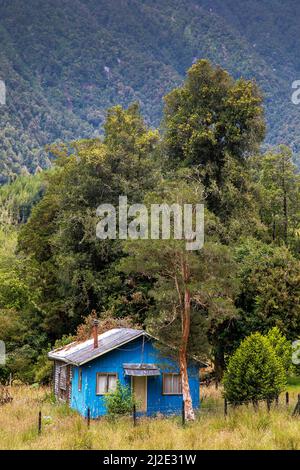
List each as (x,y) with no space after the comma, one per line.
(180,381)
(107,374)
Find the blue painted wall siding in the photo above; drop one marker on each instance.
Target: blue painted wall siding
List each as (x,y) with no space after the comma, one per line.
(112,362)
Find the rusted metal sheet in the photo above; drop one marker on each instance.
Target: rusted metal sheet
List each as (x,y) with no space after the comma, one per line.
(79,353)
(57,366)
(62,380)
(141,370)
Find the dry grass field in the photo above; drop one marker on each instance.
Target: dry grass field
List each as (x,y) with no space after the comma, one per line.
(64,429)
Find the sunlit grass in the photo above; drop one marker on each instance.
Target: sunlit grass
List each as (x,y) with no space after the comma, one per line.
(64,429)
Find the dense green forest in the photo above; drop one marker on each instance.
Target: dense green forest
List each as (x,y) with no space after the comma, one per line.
(55,274)
(65,63)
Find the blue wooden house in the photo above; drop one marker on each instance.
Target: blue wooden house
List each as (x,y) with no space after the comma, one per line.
(85,371)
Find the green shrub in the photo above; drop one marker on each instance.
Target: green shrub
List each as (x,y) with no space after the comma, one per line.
(254,372)
(119,402)
(43,369)
(282,348)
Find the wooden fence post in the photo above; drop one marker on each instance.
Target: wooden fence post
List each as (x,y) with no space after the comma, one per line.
(183,413)
(134,415)
(88,417)
(287,399)
(297,407)
(40,423)
(225,407)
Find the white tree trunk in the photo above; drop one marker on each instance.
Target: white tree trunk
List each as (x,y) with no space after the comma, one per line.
(188,405)
(186,320)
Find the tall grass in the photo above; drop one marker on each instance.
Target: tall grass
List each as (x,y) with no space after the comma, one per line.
(64,429)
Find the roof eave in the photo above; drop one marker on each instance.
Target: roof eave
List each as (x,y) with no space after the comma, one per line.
(53,357)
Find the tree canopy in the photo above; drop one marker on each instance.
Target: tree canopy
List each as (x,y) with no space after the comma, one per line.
(55,272)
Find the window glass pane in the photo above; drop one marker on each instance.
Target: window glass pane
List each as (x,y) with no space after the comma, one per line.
(172,384)
(112,383)
(168,383)
(101,383)
(176,384)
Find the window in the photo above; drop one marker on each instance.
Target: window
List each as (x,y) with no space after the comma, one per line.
(79,379)
(172,384)
(106,383)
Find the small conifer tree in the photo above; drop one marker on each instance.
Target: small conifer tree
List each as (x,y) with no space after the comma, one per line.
(254,372)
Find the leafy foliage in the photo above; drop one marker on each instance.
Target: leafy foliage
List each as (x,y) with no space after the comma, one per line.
(18,198)
(278,185)
(119,402)
(254,372)
(76,269)
(269,293)
(282,348)
(54,272)
(19,314)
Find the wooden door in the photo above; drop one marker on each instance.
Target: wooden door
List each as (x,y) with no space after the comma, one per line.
(139,387)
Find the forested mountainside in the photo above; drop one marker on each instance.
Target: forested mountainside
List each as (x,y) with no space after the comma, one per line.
(66,61)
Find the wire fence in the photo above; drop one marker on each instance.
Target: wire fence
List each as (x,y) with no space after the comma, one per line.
(280,403)
(220,408)
(216,406)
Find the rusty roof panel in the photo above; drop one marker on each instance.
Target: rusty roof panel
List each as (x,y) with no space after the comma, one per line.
(81,352)
(138,370)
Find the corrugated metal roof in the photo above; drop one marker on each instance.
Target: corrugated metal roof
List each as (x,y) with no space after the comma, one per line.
(138,370)
(81,352)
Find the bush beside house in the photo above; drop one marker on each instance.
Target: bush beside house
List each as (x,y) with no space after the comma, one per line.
(254,372)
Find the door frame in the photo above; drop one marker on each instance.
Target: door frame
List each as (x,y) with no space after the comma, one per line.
(146,389)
